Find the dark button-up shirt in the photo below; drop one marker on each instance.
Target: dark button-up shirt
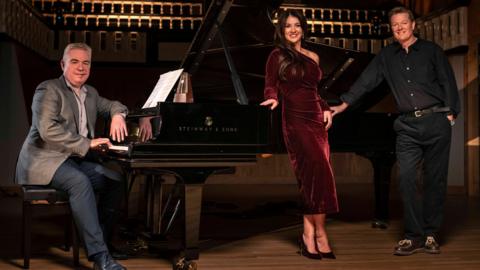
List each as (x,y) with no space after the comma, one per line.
(419,79)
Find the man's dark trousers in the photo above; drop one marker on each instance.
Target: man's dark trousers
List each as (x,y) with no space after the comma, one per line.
(81,179)
(426,138)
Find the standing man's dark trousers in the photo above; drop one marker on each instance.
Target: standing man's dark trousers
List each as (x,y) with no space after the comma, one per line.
(424,138)
(81,179)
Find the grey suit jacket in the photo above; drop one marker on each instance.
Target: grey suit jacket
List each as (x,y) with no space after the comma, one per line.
(53,136)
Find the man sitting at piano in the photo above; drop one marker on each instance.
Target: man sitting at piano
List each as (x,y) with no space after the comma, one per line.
(58,151)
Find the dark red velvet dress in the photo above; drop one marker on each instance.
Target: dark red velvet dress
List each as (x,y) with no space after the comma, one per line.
(304,132)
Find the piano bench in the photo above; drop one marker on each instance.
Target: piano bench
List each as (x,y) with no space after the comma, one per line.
(40,196)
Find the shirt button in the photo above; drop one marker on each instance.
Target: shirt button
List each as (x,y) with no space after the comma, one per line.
(408,68)
(411,94)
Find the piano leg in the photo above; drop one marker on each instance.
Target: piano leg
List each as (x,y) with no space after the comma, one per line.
(154,218)
(188,194)
(382,163)
(192,181)
(131,176)
(192,208)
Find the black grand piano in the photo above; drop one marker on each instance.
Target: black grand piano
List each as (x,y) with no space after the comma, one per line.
(225,127)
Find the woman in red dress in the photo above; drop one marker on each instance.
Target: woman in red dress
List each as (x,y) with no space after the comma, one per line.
(291,77)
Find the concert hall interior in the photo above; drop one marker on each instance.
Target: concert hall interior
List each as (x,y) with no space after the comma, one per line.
(229,200)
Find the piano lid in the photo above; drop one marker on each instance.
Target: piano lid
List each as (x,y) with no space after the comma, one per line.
(248,31)
(244,23)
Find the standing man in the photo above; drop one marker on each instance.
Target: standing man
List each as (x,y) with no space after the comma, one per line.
(425,91)
(56,152)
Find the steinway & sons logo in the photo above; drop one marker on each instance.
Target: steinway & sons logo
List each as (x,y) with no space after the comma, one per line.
(207,127)
(208,121)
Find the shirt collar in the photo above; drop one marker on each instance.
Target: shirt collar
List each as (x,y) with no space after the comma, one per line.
(414,46)
(83,88)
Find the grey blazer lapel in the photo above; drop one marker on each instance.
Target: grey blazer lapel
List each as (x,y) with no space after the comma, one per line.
(71,100)
(91,110)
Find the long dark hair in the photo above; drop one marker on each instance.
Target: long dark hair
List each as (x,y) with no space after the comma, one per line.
(291,57)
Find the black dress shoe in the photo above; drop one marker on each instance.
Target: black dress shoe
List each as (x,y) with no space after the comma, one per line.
(117,254)
(304,251)
(103,261)
(432,246)
(407,247)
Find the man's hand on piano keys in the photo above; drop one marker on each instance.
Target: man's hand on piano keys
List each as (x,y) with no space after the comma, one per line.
(118,128)
(99,141)
(273,103)
(100,144)
(145,128)
(103,145)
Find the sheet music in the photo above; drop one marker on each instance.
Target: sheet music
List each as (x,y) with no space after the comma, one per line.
(162,88)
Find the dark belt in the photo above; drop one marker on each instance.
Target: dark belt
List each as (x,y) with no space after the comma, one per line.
(420,113)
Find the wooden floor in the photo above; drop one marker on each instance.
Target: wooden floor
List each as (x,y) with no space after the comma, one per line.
(255,227)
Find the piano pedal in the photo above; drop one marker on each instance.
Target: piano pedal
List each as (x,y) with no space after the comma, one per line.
(184,264)
(379,224)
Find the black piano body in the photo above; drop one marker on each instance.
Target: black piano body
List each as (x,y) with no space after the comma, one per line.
(206,129)
(194,140)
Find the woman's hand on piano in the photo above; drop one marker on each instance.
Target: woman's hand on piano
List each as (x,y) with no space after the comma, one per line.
(270,102)
(145,128)
(118,128)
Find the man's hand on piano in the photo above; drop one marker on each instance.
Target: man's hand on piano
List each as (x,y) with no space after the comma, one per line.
(338,109)
(101,144)
(270,102)
(145,128)
(327,118)
(118,128)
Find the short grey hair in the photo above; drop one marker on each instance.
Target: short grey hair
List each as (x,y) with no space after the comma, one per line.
(78,45)
(398,10)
